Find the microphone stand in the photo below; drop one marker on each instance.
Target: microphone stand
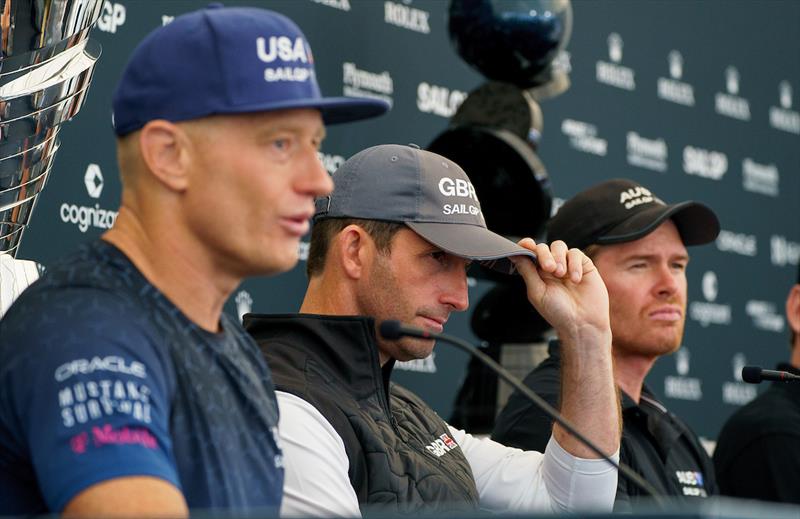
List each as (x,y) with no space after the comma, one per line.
(393,330)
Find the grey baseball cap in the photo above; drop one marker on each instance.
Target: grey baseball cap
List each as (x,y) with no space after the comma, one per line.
(429,193)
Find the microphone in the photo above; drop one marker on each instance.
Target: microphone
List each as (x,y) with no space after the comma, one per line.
(393,330)
(755,375)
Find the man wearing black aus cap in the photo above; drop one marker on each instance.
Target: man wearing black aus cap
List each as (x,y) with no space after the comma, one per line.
(758,451)
(124,389)
(638,244)
(393,241)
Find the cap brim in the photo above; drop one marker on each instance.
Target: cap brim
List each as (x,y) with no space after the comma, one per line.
(696,223)
(334,110)
(472,242)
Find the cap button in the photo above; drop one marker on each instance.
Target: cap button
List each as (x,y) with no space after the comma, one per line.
(415,146)
(215,5)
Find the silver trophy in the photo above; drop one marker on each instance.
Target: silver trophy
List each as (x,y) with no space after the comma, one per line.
(46,65)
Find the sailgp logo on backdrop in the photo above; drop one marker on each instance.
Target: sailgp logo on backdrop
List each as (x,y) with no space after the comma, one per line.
(438,100)
(672,88)
(112,17)
(704,163)
(613,73)
(292,55)
(88,216)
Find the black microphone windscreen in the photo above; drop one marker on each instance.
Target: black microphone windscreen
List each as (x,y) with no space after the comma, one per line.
(390,330)
(751,374)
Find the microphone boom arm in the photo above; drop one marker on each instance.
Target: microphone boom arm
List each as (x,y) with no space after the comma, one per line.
(394,330)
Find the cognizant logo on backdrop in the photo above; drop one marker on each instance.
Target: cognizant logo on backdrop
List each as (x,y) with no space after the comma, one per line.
(89,216)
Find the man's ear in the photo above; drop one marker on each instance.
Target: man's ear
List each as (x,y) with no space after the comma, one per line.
(793,309)
(165,151)
(356,251)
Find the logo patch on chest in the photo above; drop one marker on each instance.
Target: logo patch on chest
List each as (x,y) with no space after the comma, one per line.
(691,482)
(441,445)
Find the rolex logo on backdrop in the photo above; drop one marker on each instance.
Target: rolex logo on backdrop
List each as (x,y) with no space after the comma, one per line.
(738,392)
(729,103)
(783,117)
(682,386)
(612,73)
(403,14)
(673,89)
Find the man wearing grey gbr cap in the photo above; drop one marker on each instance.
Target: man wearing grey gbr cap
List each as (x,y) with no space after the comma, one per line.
(124,388)
(394,241)
(638,244)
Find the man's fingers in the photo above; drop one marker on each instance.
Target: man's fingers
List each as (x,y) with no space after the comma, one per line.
(577,264)
(559,251)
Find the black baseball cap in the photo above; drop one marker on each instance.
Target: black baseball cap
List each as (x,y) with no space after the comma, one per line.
(429,193)
(621,210)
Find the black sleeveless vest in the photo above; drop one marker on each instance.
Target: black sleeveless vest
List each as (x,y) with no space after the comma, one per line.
(401,454)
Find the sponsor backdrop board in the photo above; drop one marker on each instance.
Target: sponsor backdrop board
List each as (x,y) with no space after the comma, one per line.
(695,100)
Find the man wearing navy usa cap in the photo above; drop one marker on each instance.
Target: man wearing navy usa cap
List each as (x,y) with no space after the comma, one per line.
(393,241)
(639,245)
(125,389)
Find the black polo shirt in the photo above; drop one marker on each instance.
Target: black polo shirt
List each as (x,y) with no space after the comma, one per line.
(655,443)
(758,452)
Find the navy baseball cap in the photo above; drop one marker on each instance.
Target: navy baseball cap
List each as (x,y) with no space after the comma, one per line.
(621,210)
(226,60)
(429,193)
